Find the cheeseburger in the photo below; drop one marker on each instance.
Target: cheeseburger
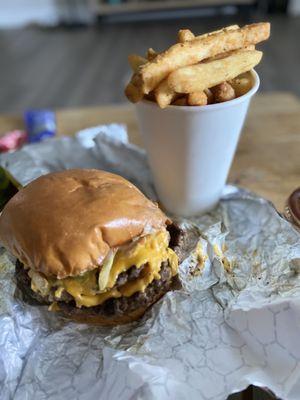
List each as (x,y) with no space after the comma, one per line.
(90,244)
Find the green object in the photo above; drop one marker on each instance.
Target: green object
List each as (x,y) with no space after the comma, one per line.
(7,188)
(4,180)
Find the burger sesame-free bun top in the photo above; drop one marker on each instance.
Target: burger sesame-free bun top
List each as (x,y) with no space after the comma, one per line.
(64,223)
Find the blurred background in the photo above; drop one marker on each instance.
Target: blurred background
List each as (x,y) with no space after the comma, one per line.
(70,53)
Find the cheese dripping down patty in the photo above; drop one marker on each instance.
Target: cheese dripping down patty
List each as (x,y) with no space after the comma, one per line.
(95,287)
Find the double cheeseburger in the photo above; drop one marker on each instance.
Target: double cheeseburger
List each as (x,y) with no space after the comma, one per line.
(89,244)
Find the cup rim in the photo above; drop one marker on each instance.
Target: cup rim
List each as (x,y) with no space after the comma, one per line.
(209,107)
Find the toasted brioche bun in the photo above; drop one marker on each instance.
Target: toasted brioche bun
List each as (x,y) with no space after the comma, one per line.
(86,318)
(64,224)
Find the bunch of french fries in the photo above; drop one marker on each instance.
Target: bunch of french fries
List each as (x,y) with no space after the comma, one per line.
(198,70)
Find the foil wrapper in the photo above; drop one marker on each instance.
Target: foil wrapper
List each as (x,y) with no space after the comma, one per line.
(234,322)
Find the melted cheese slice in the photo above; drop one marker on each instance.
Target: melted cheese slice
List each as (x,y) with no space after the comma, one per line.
(151,250)
(84,297)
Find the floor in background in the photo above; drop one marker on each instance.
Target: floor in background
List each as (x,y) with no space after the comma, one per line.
(88,66)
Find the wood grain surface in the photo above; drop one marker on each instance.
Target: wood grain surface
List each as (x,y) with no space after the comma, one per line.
(268,156)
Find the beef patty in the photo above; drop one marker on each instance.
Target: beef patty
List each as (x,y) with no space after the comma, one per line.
(124,305)
(113,306)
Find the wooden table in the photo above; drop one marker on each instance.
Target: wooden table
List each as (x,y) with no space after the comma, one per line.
(268,157)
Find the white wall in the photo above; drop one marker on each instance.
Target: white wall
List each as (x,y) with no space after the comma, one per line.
(294,7)
(16,13)
(21,12)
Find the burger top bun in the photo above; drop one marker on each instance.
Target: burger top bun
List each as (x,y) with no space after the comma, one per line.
(64,223)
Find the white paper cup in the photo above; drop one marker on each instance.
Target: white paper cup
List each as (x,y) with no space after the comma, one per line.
(190,150)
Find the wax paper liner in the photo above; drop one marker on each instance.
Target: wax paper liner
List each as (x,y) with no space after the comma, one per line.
(235,322)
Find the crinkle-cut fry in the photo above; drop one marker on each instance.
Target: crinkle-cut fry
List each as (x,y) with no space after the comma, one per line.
(223,92)
(184,35)
(208,74)
(151,54)
(181,101)
(197,99)
(135,61)
(164,95)
(194,51)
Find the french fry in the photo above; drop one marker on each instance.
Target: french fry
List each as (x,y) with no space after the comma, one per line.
(208,74)
(133,93)
(250,47)
(164,95)
(197,99)
(192,52)
(135,61)
(228,53)
(210,96)
(227,28)
(242,84)
(151,54)
(150,96)
(181,101)
(184,35)
(223,92)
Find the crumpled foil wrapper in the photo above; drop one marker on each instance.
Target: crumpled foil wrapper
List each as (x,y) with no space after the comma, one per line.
(236,323)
